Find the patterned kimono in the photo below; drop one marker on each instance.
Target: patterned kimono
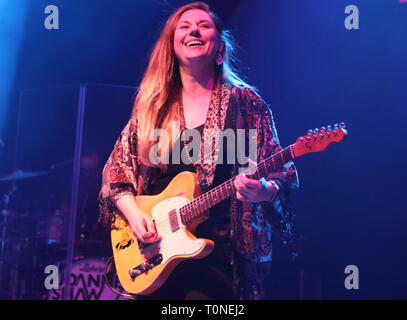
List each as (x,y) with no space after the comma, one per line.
(252,224)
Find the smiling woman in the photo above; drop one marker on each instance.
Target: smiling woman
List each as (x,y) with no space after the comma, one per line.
(173,64)
(189,80)
(196,45)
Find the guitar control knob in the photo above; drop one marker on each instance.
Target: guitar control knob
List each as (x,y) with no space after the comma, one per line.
(134,273)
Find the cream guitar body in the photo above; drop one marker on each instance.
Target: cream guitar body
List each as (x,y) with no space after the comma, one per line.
(142,268)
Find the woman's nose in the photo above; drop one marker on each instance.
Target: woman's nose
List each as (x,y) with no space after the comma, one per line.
(194,30)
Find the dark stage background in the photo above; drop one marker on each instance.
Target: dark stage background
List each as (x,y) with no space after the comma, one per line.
(313,71)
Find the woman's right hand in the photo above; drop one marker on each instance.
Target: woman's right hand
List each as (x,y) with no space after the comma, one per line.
(142,226)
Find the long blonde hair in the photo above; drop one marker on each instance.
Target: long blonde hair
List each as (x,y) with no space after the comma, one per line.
(161,81)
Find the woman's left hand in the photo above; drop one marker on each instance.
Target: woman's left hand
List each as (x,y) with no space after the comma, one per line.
(250,190)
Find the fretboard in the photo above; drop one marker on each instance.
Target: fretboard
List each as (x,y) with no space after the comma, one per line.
(199,205)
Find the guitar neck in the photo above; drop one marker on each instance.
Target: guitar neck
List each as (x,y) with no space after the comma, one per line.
(198,206)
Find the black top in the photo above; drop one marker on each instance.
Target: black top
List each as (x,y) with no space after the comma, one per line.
(213,276)
(217,226)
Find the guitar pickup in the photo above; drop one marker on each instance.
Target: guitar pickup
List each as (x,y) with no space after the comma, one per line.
(143,245)
(145,266)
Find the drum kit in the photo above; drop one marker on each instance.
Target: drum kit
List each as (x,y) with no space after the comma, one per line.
(31,241)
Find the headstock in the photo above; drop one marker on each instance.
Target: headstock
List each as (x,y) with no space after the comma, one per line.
(319,139)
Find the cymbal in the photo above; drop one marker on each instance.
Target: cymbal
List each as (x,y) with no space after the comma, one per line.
(19,174)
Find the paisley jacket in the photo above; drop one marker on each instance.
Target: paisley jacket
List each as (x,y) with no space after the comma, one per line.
(252,224)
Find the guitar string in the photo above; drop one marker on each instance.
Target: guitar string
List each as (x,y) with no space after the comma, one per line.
(225,186)
(195,204)
(201,202)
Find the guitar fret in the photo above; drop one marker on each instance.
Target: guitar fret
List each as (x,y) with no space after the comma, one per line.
(282,159)
(205,200)
(199,202)
(202,203)
(221,192)
(196,208)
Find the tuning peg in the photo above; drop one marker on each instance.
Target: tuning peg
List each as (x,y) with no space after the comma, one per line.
(336,126)
(342,125)
(316,130)
(309,132)
(322,129)
(302,139)
(329,128)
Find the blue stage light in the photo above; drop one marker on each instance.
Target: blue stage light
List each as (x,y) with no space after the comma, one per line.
(12,21)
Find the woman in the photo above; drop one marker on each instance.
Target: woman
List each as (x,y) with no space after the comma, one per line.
(189,79)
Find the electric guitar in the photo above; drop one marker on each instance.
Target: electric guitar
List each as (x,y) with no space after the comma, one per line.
(143,267)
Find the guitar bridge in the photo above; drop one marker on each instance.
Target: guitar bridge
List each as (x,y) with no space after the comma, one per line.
(145,266)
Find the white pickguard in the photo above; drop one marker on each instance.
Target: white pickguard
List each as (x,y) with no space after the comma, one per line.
(173,243)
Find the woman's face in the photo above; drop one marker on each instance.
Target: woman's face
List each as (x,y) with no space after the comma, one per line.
(196,38)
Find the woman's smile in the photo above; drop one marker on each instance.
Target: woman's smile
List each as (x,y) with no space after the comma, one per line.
(195,37)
